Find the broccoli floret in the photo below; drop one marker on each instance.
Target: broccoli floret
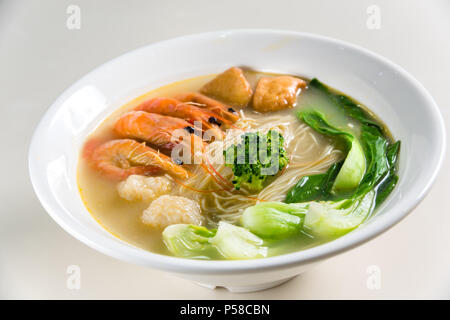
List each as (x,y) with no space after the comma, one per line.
(254,159)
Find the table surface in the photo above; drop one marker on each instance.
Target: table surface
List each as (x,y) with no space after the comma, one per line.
(40,57)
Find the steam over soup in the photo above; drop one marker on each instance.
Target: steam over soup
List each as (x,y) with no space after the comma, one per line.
(238,165)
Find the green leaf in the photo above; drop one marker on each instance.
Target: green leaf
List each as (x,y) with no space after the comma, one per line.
(325,219)
(386,187)
(392,153)
(314,187)
(354,165)
(234,242)
(186,240)
(346,104)
(334,219)
(375,146)
(228,241)
(274,219)
(317,121)
(380,155)
(352,170)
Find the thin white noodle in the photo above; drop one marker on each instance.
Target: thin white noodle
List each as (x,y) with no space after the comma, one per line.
(309,152)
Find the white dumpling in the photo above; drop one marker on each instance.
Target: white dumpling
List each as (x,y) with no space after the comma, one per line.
(167,210)
(142,188)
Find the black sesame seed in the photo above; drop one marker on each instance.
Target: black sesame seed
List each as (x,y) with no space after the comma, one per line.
(214,120)
(231,110)
(189,129)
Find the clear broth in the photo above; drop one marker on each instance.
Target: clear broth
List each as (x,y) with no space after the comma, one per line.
(122,218)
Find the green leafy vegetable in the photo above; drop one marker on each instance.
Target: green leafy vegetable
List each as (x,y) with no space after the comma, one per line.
(380,155)
(375,146)
(317,121)
(186,240)
(234,242)
(354,165)
(392,153)
(385,187)
(274,219)
(352,170)
(366,177)
(328,219)
(333,219)
(257,157)
(229,241)
(314,187)
(350,108)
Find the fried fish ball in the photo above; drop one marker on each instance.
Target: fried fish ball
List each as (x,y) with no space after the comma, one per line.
(230,87)
(276,93)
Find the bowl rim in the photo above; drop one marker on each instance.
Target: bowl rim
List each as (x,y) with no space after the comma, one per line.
(129,253)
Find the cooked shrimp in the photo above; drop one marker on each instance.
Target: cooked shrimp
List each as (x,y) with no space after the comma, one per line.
(156,129)
(118,159)
(212,105)
(192,114)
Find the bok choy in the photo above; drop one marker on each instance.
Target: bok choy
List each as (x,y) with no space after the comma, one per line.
(187,240)
(235,242)
(325,206)
(380,155)
(333,219)
(314,187)
(345,104)
(354,165)
(326,219)
(228,241)
(364,179)
(274,219)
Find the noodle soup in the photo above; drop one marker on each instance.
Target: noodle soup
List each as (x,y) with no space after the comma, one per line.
(335,162)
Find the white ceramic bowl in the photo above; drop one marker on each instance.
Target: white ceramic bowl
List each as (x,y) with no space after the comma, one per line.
(394,95)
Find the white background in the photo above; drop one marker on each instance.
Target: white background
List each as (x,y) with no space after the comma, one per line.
(40,57)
